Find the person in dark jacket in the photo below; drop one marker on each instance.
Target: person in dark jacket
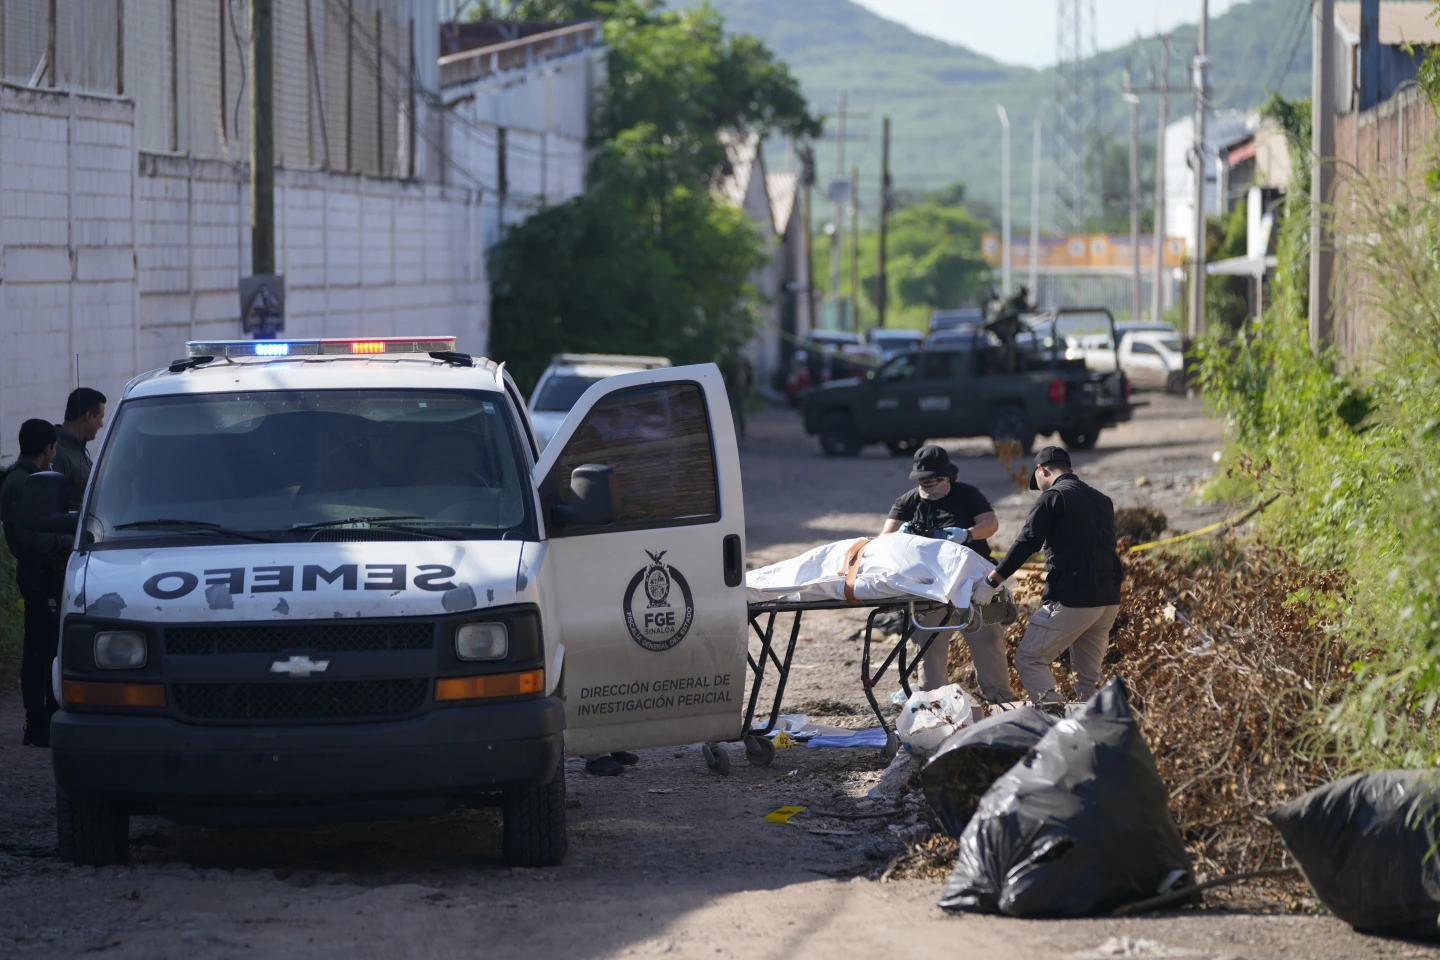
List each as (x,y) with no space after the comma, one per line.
(84,419)
(40,560)
(1075,523)
(941,506)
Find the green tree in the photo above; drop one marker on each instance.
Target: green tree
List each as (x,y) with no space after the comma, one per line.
(648,260)
(933,260)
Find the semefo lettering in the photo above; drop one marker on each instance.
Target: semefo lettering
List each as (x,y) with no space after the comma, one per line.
(430,577)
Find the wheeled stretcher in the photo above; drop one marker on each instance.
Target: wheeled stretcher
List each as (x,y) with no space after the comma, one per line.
(769,669)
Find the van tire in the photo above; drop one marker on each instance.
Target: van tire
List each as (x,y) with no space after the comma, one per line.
(534,834)
(838,436)
(1010,422)
(91,833)
(1175,383)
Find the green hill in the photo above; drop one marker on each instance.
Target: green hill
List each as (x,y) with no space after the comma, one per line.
(941,97)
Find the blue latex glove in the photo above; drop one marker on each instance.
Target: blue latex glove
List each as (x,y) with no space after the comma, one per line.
(907,527)
(957,534)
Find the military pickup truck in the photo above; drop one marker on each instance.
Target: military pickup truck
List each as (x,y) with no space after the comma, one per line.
(977,384)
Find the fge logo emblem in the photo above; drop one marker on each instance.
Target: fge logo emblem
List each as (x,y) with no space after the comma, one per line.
(663,618)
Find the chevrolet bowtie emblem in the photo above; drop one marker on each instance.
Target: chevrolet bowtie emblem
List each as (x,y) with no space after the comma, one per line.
(299,666)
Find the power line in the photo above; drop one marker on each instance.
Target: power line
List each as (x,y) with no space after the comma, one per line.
(1302,20)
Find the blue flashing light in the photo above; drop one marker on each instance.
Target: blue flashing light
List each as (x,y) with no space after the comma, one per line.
(272,349)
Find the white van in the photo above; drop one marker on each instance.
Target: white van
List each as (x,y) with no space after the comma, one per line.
(570,375)
(320,580)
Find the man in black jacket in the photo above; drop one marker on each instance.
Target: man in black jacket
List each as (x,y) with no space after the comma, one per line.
(1076,525)
(84,419)
(40,560)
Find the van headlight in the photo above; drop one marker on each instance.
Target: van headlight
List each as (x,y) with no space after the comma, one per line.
(482,641)
(120,650)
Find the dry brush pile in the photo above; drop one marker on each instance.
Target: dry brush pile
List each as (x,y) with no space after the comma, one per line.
(1228,654)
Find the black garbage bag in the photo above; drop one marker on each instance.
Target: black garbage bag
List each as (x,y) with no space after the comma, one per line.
(1077,828)
(972,758)
(1367,845)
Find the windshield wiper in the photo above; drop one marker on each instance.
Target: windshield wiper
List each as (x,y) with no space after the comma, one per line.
(318,524)
(195,526)
(388,519)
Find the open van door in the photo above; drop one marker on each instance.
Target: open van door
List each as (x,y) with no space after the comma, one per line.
(650,606)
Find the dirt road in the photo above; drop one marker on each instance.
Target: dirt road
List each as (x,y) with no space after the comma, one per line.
(667,859)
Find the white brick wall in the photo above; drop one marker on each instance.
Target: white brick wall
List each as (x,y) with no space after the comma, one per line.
(113,259)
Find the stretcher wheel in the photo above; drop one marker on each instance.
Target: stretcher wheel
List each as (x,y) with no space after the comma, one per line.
(716,759)
(892,745)
(759,750)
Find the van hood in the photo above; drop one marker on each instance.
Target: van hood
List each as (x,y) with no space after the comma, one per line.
(297,581)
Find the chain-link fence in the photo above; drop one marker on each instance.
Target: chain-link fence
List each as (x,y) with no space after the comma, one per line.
(344,93)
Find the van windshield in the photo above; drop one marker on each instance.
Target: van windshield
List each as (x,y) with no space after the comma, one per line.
(561,392)
(302,465)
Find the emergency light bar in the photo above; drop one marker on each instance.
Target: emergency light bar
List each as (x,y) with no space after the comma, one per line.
(332,346)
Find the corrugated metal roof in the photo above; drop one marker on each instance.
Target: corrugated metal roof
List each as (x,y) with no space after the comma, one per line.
(781,188)
(1399,22)
(742,150)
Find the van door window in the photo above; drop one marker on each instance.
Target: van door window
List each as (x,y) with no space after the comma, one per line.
(658,441)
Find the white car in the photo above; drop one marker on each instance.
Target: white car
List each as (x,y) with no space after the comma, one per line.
(1151,359)
(568,377)
(328,580)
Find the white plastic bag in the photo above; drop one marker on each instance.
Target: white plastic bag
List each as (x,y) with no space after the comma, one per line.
(895,565)
(930,716)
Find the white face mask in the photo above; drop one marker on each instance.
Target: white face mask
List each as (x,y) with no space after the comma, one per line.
(935,492)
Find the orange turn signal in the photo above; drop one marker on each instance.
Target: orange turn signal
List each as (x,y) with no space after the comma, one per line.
(492,685)
(367,346)
(114,694)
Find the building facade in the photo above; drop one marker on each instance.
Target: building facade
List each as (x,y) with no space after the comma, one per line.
(124,181)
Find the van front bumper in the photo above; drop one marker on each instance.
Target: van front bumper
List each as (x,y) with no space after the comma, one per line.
(447,753)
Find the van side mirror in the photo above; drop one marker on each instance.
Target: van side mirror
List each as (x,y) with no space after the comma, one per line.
(43,502)
(592,498)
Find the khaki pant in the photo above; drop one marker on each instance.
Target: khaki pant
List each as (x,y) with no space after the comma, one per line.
(1053,628)
(987,649)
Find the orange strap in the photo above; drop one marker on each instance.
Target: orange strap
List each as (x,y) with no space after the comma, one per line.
(852,566)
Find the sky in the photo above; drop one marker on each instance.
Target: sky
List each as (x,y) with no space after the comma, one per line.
(1022,32)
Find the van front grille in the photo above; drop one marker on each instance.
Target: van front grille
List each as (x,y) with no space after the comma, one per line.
(301,700)
(330,637)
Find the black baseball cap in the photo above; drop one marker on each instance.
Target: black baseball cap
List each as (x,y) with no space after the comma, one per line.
(1046,457)
(931,460)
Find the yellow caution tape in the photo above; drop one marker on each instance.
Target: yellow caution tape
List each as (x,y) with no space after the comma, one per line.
(1184,536)
(782,814)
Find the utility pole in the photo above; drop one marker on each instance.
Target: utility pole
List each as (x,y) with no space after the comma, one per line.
(882,291)
(262,294)
(1133,98)
(262,139)
(1005,284)
(807,180)
(1202,93)
(838,222)
(1157,295)
(1035,216)
(855,248)
(1322,156)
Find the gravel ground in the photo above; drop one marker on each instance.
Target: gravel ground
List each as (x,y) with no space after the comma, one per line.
(667,859)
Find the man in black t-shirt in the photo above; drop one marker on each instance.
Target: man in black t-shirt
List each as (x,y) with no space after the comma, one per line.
(941,506)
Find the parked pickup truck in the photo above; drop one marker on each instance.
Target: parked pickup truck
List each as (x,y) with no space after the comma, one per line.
(977,387)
